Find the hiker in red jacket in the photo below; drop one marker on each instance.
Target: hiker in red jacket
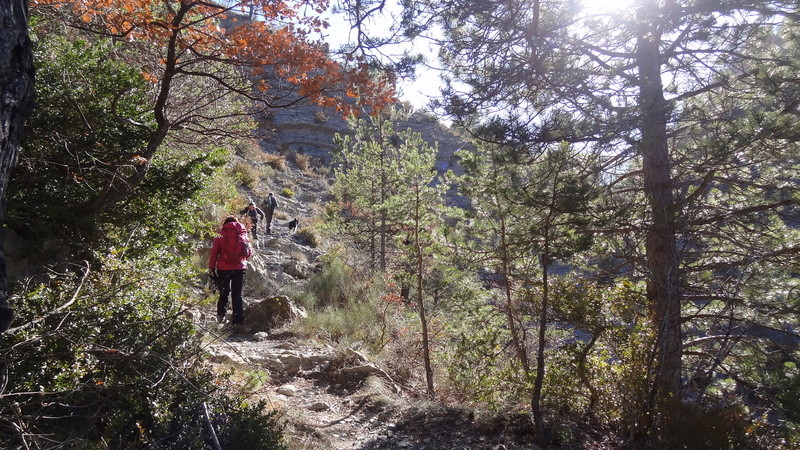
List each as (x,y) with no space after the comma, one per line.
(227,264)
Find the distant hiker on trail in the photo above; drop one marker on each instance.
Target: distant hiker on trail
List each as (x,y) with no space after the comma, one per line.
(226,266)
(269,206)
(252,212)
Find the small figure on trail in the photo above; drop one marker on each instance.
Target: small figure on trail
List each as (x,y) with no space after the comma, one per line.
(293,224)
(226,266)
(252,212)
(269,206)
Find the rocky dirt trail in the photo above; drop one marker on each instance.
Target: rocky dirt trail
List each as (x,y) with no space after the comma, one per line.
(322,407)
(328,398)
(339,400)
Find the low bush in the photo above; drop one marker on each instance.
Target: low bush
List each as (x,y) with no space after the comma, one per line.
(267,172)
(710,426)
(277,162)
(336,285)
(308,236)
(103,357)
(302,161)
(245,174)
(346,306)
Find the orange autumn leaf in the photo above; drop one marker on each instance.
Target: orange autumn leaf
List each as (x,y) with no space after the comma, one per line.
(207,32)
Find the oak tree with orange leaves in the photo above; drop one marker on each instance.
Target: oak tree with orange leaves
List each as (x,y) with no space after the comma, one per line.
(201,55)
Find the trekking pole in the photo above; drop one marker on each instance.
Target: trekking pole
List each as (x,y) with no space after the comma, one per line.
(210,427)
(213,281)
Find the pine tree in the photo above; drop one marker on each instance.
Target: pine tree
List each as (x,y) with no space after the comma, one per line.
(390,183)
(538,206)
(646,87)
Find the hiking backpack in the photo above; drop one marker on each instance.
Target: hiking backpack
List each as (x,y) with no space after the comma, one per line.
(235,246)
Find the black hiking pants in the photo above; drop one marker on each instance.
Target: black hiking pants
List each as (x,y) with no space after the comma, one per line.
(254,229)
(230,283)
(268,212)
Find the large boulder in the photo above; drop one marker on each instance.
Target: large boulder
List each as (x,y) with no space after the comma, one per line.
(277,266)
(262,315)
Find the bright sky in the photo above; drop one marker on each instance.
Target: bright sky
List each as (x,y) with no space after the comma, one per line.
(417,92)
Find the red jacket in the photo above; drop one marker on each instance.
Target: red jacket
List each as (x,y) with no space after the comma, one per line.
(214,260)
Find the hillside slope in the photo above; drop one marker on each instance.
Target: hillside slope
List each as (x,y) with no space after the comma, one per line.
(331,398)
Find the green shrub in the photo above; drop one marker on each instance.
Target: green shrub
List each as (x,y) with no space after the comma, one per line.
(335,285)
(96,107)
(102,357)
(308,236)
(287,192)
(345,306)
(602,374)
(246,174)
(709,427)
(267,172)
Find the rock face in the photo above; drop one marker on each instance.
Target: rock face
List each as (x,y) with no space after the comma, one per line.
(310,130)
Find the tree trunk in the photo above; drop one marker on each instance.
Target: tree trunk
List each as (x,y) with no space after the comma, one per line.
(538,383)
(660,247)
(426,349)
(16,85)
(383,193)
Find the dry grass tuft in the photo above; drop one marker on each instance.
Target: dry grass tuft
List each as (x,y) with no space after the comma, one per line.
(302,161)
(277,162)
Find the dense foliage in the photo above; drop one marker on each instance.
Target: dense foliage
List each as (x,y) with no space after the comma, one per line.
(102,353)
(653,295)
(109,356)
(90,124)
(628,264)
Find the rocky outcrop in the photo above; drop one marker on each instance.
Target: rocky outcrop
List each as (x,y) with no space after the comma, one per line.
(263,315)
(310,130)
